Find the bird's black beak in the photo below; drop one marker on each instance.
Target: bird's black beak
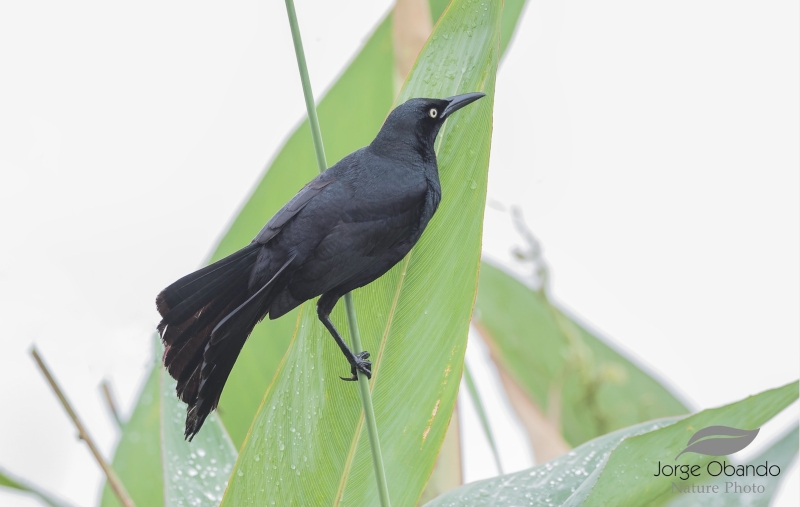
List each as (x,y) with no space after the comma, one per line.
(459,101)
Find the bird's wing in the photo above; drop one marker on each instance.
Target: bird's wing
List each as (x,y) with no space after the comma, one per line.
(364,233)
(293,207)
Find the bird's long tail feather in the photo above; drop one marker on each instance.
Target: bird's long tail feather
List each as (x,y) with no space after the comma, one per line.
(206,318)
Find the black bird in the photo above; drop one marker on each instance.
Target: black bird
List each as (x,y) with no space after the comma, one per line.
(344,229)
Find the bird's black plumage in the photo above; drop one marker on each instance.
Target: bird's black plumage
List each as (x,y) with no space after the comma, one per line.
(344,229)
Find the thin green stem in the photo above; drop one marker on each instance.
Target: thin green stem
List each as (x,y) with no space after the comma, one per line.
(479,408)
(366,400)
(363,381)
(307,93)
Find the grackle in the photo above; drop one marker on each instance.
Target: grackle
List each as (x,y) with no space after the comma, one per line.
(344,229)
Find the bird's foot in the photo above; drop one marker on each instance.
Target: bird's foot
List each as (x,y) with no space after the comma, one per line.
(360,364)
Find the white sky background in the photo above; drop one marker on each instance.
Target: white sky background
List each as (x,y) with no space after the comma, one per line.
(653,147)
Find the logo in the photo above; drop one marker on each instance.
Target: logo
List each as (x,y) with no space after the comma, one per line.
(728,441)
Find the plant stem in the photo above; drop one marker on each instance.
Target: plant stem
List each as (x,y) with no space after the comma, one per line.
(105,387)
(307,93)
(363,381)
(479,408)
(366,400)
(111,475)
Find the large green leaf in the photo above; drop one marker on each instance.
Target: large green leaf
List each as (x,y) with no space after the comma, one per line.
(619,468)
(562,367)
(308,445)
(350,114)
(11,482)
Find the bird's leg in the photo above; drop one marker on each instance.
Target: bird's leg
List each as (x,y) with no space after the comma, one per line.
(358,362)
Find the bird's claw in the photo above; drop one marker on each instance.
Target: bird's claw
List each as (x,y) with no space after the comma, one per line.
(360,364)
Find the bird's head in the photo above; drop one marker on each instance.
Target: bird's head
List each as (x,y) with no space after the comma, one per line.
(416,122)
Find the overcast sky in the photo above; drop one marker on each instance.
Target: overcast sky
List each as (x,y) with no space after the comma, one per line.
(653,147)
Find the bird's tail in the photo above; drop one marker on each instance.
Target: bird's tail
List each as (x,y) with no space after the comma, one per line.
(206,318)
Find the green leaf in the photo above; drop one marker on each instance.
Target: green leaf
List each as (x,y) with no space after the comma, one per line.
(617,468)
(512,11)
(638,456)
(548,485)
(307,445)
(9,481)
(781,453)
(570,374)
(196,472)
(137,459)
(350,114)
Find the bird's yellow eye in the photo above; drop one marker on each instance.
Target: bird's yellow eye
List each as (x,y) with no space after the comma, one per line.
(433,112)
